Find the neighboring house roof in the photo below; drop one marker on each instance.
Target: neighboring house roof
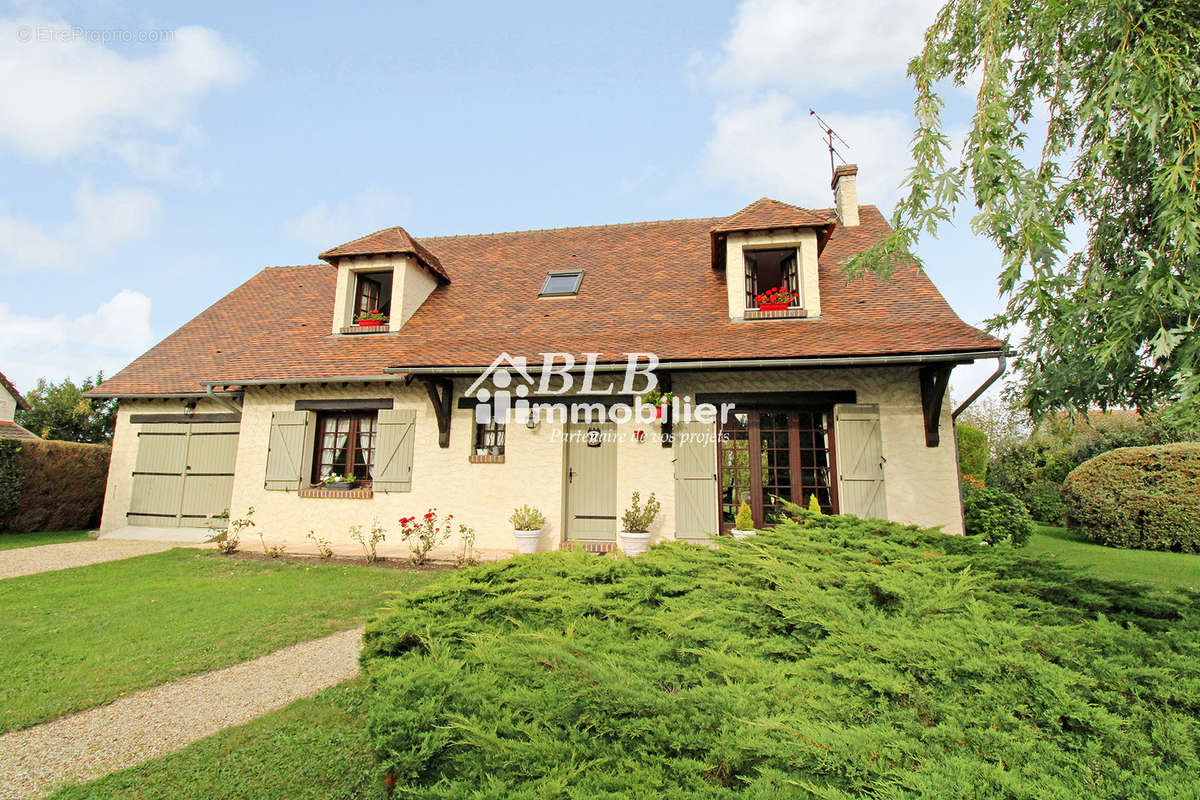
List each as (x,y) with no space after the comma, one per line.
(386,242)
(765,213)
(21,402)
(11,430)
(649,286)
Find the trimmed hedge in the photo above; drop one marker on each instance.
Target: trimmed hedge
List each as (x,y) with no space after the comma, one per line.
(62,485)
(842,658)
(1140,497)
(972,451)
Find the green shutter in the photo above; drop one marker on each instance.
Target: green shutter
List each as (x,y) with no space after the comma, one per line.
(695,481)
(860,461)
(285,452)
(394,450)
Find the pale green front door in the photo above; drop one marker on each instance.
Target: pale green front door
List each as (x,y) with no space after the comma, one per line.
(592,482)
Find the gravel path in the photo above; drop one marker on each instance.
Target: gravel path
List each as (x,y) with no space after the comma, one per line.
(157,721)
(48,557)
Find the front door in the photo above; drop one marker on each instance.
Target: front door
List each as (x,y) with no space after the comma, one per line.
(768,457)
(592,482)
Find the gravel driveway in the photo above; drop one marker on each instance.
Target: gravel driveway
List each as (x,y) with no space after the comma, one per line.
(157,721)
(48,557)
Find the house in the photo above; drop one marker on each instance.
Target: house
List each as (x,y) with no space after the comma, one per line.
(281,384)
(10,401)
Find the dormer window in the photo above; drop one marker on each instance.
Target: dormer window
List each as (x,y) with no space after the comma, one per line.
(771,269)
(372,292)
(563,283)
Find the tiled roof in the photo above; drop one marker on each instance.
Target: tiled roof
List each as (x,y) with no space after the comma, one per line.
(388,240)
(7,384)
(648,287)
(11,430)
(766,213)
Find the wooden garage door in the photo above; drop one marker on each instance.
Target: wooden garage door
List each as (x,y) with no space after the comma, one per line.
(183,475)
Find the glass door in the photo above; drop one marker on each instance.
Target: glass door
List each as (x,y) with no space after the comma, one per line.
(768,457)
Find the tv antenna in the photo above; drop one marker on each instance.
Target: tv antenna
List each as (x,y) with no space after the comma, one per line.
(830,136)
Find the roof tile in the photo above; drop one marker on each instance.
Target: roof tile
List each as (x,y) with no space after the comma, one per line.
(649,287)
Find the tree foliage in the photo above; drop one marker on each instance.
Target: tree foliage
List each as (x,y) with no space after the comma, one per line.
(972,451)
(1087,116)
(61,411)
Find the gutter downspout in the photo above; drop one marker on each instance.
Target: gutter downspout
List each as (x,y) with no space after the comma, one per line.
(208,390)
(995,376)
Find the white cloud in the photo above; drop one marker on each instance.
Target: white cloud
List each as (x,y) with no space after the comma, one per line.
(324,226)
(65,93)
(103,220)
(771,146)
(816,47)
(58,346)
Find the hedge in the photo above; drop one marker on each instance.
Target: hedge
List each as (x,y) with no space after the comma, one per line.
(1034,470)
(842,658)
(972,451)
(61,485)
(1140,497)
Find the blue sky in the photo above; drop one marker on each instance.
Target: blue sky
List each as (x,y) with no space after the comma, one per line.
(154,156)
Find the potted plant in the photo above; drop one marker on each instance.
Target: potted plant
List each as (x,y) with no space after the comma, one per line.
(660,401)
(743,523)
(636,522)
(371,319)
(527,524)
(339,483)
(777,299)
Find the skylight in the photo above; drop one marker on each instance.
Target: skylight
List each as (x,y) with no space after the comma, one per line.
(562,283)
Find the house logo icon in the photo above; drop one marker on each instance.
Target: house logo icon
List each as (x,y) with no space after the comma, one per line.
(499,403)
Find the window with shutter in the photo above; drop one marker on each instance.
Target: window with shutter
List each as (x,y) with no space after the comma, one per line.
(285,450)
(394,440)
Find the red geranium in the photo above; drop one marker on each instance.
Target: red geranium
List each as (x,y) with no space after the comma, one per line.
(780,294)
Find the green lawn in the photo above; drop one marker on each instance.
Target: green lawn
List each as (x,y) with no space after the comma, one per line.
(1166,570)
(316,748)
(78,638)
(11,541)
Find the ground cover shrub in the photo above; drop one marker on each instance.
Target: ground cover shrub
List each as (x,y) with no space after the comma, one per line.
(61,485)
(1140,497)
(834,659)
(998,517)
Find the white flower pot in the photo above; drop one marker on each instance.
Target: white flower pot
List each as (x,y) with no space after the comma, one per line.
(743,534)
(634,543)
(527,541)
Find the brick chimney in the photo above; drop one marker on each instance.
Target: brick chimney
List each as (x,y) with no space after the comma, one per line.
(845,194)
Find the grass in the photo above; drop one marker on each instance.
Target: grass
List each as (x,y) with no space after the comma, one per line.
(1165,570)
(313,748)
(11,541)
(78,638)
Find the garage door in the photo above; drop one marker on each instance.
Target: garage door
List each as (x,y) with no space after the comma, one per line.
(183,475)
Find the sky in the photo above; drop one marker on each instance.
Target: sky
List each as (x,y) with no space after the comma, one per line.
(154,156)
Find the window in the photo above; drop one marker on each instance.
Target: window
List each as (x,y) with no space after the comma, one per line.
(770,269)
(562,283)
(489,438)
(769,457)
(372,292)
(345,445)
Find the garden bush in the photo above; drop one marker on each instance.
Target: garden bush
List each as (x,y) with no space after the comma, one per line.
(1140,497)
(1034,470)
(972,451)
(839,658)
(997,516)
(62,485)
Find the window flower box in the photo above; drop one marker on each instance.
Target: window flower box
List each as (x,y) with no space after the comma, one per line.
(777,299)
(371,319)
